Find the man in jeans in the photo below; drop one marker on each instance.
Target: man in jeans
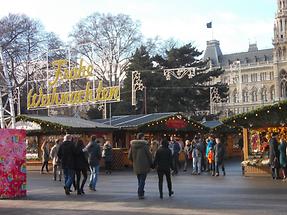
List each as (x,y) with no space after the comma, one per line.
(141,157)
(94,157)
(175,149)
(66,154)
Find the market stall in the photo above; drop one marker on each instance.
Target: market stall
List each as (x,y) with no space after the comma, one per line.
(154,126)
(258,125)
(50,128)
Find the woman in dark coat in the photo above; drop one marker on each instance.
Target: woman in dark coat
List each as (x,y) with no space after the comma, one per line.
(163,163)
(107,154)
(81,166)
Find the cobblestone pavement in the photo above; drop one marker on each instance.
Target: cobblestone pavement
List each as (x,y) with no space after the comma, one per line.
(116,194)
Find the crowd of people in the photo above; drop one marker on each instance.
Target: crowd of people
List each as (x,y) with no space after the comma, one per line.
(205,155)
(74,159)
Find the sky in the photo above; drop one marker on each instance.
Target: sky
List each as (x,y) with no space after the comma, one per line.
(235,23)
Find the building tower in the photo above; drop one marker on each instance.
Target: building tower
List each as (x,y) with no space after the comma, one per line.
(280,50)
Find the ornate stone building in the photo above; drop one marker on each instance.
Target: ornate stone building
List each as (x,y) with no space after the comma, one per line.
(256,77)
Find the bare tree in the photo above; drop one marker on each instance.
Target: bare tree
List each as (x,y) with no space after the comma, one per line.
(113,40)
(23,40)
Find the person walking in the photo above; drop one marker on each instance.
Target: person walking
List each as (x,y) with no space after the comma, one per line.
(153,148)
(141,158)
(163,164)
(282,157)
(219,153)
(81,166)
(57,169)
(66,154)
(45,156)
(94,157)
(107,154)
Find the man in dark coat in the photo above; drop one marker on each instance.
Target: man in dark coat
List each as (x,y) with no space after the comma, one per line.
(94,157)
(274,156)
(219,153)
(141,157)
(163,163)
(66,154)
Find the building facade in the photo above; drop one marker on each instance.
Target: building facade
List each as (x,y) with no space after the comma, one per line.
(256,77)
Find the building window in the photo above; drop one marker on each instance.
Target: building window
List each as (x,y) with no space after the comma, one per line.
(263,76)
(235,97)
(272,93)
(254,95)
(254,77)
(264,95)
(271,74)
(244,78)
(245,96)
(283,87)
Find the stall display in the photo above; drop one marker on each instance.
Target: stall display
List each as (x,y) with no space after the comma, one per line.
(12,163)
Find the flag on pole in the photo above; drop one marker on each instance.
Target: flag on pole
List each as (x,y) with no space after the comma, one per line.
(209,25)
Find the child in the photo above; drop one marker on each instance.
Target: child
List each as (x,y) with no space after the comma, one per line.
(210,158)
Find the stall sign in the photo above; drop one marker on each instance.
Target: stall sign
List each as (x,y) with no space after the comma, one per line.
(27,125)
(176,123)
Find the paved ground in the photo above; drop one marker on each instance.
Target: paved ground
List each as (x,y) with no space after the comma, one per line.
(116,194)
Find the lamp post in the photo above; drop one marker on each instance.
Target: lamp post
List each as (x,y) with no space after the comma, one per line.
(137,85)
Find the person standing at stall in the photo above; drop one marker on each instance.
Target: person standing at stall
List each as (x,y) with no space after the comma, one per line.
(57,169)
(274,156)
(107,154)
(45,156)
(66,154)
(187,155)
(140,155)
(81,166)
(163,164)
(175,149)
(94,157)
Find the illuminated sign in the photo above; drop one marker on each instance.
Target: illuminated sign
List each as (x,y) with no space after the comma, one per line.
(67,84)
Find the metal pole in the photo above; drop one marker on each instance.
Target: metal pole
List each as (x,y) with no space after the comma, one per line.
(2,121)
(145,101)
(110,113)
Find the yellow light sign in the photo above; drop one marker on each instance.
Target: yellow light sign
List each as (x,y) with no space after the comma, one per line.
(56,98)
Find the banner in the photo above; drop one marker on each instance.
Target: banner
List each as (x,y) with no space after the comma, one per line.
(12,163)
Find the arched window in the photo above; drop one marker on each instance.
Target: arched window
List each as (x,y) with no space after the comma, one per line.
(235,96)
(264,94)
(272,93)
(245,95)
(283,84)
(254,95)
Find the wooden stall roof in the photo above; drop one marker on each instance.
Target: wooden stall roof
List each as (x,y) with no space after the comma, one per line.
(152,122)
(267,116)
(59,124)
